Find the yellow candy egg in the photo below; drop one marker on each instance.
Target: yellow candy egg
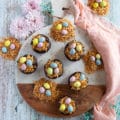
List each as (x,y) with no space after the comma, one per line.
(77,84)
(23,60)
(59,27)
(79,47)
(46,85)
(7,43)
(95,5)
(62,107)
(98,56)
(35,41)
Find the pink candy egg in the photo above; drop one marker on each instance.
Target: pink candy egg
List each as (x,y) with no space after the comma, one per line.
(64,32)
(56,71)
(40,44)
(68,101)
(12,46)
(73,45)
(72,79)
(23,67)
(92,58)
(98,1)
(42,89)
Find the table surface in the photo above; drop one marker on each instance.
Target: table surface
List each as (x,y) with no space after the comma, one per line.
(12,106)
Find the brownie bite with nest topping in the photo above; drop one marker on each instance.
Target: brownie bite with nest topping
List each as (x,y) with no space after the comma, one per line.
(74,50)
(78,80)
(67,105)
(27,64)
(40,43)
(53,68)
(62,30)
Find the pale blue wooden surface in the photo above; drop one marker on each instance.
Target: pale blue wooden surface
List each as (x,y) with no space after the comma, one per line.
(12,106)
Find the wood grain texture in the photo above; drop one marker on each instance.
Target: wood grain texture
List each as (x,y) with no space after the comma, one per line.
(12,106)
(85,99)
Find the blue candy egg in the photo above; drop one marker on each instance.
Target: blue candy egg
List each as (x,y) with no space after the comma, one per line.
(42,39)
(82,76)
(29,62)
(72,51)
(70,108)
(65,24)
(4,49)
(98,62)
(48,93)
(53,65)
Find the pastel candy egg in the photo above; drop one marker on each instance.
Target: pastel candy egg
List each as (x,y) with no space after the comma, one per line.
(56,71)
(48,93)
(98,56)
(70,108)
(68,101)
(95,5)
(98,1)
(46,85)
(7,43)
(73,45)
(92,58)
(23,59)
(72,79)
(49,71)
(59,27)
(72,51)
(29,62)
(23,67)
(82,76)
(40,45)
(53,65)
(79,48)
(64,32)
(103,4)
(65,24)
(42,89)
(42,39)
(12,46)
(4,50)
(35,41)
(62,107)
(98,62)
(77,84)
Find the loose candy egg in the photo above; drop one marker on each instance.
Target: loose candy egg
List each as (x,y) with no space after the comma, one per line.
(72,51)
(48,93)
(12,46)
(53,65)
(29,62)
(42,90)
(23,67)
(4,50)
(23,59)
(62,107)
(103,4)
(72,79)
(35,41)
(92,58)
(46,85)
(95,5)
(82,76)
(65,24)
(73,45)
(98,62)
(49,71)
(56,71)
(42,39)
(79,47)
(64,32)
(7,43)
(68,101)
(70,108)
(59,27)
(40,45)
(98,56)
(77,84)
